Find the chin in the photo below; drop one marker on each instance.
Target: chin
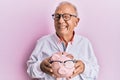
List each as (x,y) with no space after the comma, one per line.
(62,33)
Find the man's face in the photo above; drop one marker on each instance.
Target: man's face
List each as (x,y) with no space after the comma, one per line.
(62,26)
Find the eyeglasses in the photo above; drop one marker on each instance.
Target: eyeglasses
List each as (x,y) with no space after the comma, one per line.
(67,63)
(65,16)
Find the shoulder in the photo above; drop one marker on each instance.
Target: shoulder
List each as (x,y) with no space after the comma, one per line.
(45,38)
(82,38)
(84,41)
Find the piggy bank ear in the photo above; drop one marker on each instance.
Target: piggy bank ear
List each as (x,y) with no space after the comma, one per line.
(69,56)
(55,57)
(60,53)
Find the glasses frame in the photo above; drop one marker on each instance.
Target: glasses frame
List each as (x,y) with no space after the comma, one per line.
(63,62)
(74,61)
(53,16)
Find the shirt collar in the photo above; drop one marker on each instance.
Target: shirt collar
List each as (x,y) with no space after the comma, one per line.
(60,40)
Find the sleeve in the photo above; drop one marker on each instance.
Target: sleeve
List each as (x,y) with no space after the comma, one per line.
(91,64)
(34,61)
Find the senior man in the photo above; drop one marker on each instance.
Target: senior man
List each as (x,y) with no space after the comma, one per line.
(64,40)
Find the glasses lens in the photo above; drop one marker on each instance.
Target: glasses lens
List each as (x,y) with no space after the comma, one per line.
(55,65)
(66,17)
(56,16)
(69,64)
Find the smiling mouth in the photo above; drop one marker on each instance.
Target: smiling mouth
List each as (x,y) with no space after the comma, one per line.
(63,27)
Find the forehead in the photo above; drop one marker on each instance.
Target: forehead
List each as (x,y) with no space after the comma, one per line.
(66,8)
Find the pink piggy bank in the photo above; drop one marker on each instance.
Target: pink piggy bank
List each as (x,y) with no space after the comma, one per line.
(62,65)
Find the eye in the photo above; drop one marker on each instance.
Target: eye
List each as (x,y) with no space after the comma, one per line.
(66,16)
(57,16)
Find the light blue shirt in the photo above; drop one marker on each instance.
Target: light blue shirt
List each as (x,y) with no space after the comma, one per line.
(80,48)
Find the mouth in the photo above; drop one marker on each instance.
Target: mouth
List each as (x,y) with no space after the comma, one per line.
(63,27)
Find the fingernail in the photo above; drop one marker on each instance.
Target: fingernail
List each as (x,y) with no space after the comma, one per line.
(51,70)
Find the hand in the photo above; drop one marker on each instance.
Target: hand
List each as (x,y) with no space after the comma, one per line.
(79,68)
(45,66)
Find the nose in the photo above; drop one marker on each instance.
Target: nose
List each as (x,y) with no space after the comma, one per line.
(61,20)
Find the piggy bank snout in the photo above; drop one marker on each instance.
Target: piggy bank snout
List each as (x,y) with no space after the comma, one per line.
(62,70)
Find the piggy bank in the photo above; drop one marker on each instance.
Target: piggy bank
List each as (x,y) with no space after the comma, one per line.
(62,65)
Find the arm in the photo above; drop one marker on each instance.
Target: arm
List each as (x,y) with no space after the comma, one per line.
(38,63)
(91,65)
(34,62)
(87,66)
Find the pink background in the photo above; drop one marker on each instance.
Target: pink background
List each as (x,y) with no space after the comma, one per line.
(22,22)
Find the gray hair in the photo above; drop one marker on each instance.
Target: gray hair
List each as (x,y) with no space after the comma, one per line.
(68,3)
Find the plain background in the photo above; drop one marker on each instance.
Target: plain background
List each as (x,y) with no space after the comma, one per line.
(22,22)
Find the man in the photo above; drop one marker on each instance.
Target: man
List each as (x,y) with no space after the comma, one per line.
(64,40)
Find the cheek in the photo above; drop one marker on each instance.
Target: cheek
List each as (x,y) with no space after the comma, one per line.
(71,23)
(56,24)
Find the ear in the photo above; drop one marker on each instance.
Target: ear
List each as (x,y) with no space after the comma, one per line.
(55,57)
(70,56)
(77,21)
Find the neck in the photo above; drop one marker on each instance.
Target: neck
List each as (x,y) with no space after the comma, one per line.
(66,38)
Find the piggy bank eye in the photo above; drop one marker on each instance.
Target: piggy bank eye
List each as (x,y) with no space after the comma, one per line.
(69,63)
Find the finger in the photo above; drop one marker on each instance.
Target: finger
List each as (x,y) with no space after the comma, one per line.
(80,67)
(47,70)
(46,67)
(78,63)
(47,63)
(79,70)
(74,74)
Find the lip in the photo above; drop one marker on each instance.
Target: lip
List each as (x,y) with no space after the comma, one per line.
(62,27)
